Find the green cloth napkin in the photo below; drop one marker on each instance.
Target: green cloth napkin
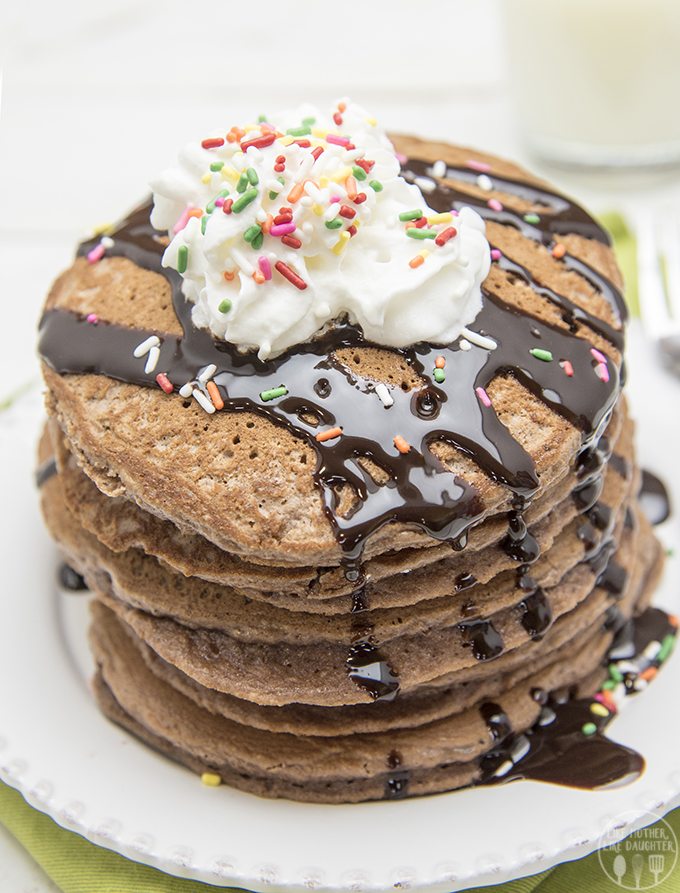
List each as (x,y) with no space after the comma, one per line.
(78,866)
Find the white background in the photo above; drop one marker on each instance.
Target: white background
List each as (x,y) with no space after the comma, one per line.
(96,98)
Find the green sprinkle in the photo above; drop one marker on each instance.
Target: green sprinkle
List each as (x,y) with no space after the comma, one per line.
(414,233)
(532,218)
(589,728)
(541,354)
(615,673)
(242,184)
(225,306)
(273,393)
(274,195)
(336,223)
(376,185)
(666,648)
(439,375)
(252,232)
(257,241)
(244,201)
(359,172)
(253,179)
(307,122)
(182,258)
(217,166)
(210,207)
(416,214)
(608,685)
(261,119)
(304,130)
(204,223)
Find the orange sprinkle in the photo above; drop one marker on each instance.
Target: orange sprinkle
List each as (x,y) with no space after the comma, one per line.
(402,445)
(267,224)
(229,276)
(416,261)
(351,187)
(328,435)
(674,620)
(342,106)
(440,362)
(195,212)
(215,395)
(559,250)
(296,192)
(258,276)
(649,674)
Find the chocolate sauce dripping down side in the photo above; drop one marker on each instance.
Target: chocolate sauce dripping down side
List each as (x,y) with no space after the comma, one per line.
(420,490)
(653,498)
(366,665)
(70,579)
(45,472)
(556,749)
(396,787)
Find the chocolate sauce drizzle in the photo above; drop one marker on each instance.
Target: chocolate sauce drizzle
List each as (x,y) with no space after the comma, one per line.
(653,498)
(45,471)
(420,490)
(70,579)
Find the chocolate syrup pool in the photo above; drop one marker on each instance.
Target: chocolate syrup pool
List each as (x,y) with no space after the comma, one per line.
(420,490)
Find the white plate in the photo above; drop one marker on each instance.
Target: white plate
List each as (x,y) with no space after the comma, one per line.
(91,777)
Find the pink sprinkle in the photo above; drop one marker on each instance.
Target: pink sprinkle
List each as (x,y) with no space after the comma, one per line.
(219,202)
(265,267)
(494,204)
(480,166)
(333,199)
(454,212)
(282,229)
(337,140)
(496,254)
(182,220)
(602,372)
(608,703)
(92,318)
(483,396)
(568,368)
(401,158)
(599,356)
(164,383)
(97,253)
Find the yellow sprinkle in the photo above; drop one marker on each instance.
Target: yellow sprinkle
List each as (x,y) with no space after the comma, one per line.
(228,173)
(446,217)
(319,133)
(323,182)
(286,140)
(371,121)
(103,229)
(341,175)
(211,779)
(206,178)
(340,244)
(424,253)
(599,709)
(318,210)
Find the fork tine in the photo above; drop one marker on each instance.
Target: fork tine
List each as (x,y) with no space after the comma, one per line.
(653,307)
(671,252)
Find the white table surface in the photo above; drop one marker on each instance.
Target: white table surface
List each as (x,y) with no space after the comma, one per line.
(96,98)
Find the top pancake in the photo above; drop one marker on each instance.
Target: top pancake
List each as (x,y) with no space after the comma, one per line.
(247,485)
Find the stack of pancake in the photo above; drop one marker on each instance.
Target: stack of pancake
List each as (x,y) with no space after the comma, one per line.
(238,627)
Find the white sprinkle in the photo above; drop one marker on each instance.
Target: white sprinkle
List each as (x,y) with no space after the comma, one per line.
(332,211)
(275,186)
(261,216)
(384,394)
(186,389)
(640,684)
(484,182)
(504,768)
(242,262)
(464,344)
(425,184)
(479,340)
(107,242)
(152,360)
(207,373)
(200,398)
(652,650)
(145,346)
(439,168)
(627,666)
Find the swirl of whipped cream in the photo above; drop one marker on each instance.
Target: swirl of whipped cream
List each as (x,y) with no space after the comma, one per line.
(279,228)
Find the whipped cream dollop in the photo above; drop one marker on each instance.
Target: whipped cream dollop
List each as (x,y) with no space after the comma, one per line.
(282,226)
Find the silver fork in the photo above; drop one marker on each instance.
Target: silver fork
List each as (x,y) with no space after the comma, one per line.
(658,257)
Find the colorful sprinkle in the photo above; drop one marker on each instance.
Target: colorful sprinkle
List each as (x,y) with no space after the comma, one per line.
(541,354)
(330,434)
(282,229)
(484,182)
(531,218)
(415,233)
(446,235)
(265,267)
(92,318)
(211,779)
(96,253)
(483,396)
(599,710)
(224,306)
(666,648)
(567,367)
(402,445)
(182,258)
(290,275)
(273,393)
(439,375)
(589,729)
(164,383)
(440,362)
(558,251)
(375,185)
(479,340)
(416,214)
(152,360)
(145,346)
(602,372)
(495,205)
(213,143)
(383,393)
(480,166)
(215,395)
(202,401)
(207,373)
(496,254)
(248,196)
(599,356)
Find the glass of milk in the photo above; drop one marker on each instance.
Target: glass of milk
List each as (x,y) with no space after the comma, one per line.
(596,82)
